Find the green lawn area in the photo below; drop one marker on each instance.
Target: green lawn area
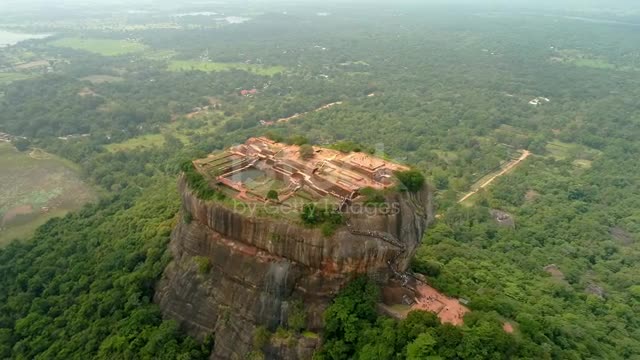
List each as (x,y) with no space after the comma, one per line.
(582,59)
(105,47)
(23,231)
(186,65)
(99,79)
(310,335)
(585,164)
(144,141)
(582,154)
(594,63)
(177,128)
(34,190)
(149,140)
(559,150)
(154,54)
(6,78)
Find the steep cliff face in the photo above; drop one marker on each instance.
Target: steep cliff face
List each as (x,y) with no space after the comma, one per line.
(255,267)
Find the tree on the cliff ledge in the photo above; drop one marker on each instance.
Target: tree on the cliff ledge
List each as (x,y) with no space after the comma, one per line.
(297,319)
(311,214)
(272,195)
(413,180)
(306,152)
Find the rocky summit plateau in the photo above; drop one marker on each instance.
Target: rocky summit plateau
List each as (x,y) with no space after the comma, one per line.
(269,230)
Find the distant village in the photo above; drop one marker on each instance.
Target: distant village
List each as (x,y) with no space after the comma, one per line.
(4,137)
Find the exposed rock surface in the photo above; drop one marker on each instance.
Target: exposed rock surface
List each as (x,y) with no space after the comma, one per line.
(503,218)
(621,235)
(259,265)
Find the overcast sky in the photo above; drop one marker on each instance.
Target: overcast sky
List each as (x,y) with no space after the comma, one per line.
(542,5)
(573,3)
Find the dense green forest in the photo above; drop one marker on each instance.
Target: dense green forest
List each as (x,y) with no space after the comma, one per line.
(445,89)
(354,330)
(82,287)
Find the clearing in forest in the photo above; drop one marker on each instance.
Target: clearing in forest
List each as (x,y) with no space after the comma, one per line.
(187,65)
(35,187)
(563,151)
(100,79)
(9,77)
(105,47)
(449,310)
(582,59)
(139,142)
(295,116)
(487,180)
(148,141)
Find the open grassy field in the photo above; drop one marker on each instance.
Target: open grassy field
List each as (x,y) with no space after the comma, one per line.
(6,78)
(155,54)
(144,141)
(148,141)
(105,47)
(34,189)
(186,65)
(582,59)
(594,63)
(99,79)
(31,65)
(176,128)
(561,151)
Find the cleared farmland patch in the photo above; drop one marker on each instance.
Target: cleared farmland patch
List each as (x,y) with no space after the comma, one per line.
(100,79)
(9,77)
(139,142)
(105,47)
(563,151)
(34,189)
(187,65)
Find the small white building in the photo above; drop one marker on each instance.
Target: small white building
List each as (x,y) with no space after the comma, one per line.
(539,101)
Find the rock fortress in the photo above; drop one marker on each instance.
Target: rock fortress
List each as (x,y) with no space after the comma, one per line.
(243,257)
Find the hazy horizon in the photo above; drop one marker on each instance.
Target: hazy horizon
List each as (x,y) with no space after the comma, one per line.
(551,4)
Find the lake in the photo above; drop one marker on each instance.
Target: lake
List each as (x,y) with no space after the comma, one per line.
(197,13)
(8,38)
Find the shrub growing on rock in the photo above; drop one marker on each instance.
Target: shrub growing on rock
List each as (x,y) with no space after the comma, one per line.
(297,320)
(306,152)
(198,183)
(203,263)
(413,180)
(187,217)
(272,195)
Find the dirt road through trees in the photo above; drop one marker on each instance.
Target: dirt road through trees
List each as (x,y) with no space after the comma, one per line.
(512,165)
